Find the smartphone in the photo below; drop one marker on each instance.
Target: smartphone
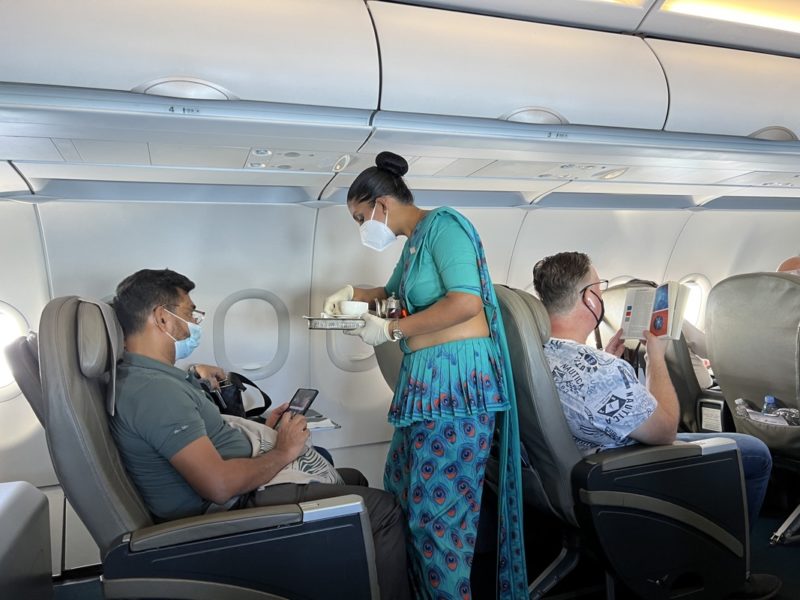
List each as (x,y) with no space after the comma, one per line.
(302,400)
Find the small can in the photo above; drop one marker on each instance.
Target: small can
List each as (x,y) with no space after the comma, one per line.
(393,308)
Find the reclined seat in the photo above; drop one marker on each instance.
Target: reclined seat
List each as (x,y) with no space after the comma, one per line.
(679,360)
(668,521)
(753,325)
(250,554)
(653,514)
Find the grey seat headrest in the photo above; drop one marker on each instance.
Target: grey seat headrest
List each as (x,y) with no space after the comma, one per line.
(92,345)
(100,344)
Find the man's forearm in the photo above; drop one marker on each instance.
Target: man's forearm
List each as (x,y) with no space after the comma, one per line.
(660,385)
(261,469)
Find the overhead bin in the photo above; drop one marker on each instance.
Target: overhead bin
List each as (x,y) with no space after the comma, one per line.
(448,63)
(313,52)
(731,92)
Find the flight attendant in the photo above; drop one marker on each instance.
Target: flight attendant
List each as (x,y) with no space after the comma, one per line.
(455,389)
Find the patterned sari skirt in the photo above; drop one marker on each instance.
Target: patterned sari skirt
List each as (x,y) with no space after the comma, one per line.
(443,411)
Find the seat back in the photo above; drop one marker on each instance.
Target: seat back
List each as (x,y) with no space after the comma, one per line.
(679,360)
(753,327)
(23,358)
(77,359)
(25,570)
(544,432)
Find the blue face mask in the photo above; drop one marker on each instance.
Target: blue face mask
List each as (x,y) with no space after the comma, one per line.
(185,347)
(377,235)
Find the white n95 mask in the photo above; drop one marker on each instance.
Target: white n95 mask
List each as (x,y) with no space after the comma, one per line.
(377,235)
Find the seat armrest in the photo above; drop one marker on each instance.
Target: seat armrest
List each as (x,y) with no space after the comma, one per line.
(715,393)
(637,456)
(204,527)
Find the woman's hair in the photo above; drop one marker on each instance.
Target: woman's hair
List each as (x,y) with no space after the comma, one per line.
(384,179)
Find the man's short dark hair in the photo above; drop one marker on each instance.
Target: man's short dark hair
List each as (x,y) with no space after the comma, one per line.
(140,293)
(557,278)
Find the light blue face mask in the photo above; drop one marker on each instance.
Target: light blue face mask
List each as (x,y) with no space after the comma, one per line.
(186,346)
(377,235)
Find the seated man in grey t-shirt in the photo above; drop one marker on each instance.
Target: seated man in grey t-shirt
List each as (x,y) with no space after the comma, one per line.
(180,453)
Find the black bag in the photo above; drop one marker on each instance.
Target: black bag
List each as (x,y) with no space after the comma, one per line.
(228,397)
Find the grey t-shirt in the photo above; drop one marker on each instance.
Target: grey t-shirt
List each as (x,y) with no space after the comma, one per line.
(158,413)
(602,399)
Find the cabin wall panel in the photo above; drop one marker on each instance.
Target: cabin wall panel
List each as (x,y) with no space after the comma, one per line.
(23,285)
(719,244)
(634,243)
(222,248)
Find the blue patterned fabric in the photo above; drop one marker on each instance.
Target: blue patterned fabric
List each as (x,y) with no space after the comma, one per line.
(454,379)
(466,379)
(603,400)
(435,468)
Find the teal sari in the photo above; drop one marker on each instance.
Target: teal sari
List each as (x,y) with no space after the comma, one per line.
(446,401)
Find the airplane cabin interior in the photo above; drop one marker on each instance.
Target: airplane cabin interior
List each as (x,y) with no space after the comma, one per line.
(219,140)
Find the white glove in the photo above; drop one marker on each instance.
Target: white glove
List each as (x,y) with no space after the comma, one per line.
(374,332)
(331,306)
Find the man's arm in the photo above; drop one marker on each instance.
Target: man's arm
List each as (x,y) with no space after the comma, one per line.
(218,480)
(662,425)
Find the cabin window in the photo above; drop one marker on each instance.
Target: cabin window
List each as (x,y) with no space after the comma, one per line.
(251,333)
(12,325)
(699,287)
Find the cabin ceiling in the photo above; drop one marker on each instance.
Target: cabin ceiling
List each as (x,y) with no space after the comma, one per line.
(629,120)
(766,25)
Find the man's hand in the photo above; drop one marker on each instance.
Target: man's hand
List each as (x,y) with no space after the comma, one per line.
(656,347)
(374,332)
(616,345)
(276,414)
(292,436)
(213,375)
(331,306)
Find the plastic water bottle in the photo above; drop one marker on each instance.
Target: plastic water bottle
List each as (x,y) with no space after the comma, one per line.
(769,405)
(741,409)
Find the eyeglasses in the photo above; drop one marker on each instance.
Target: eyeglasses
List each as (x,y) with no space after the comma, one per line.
(603,283)
(197,315)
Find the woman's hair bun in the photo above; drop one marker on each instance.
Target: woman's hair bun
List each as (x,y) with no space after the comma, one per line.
(394,163)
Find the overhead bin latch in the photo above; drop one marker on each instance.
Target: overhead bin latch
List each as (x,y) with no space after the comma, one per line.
(185,87)
(535,115)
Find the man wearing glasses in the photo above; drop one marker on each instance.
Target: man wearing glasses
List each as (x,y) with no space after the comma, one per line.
(182,456)
(605,404)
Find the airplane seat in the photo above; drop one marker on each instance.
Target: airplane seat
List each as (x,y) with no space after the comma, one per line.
(23,359)
(679,360)
(753,326)
(249,553)
(667,521)
(25,570)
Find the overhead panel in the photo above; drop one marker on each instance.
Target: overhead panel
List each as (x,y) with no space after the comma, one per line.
(293,51)
(730,92)
(65,133)
(619,15)
(449,63)
(767,25)
(10,181)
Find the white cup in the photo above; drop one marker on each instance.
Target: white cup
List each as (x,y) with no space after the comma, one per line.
(353,308)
